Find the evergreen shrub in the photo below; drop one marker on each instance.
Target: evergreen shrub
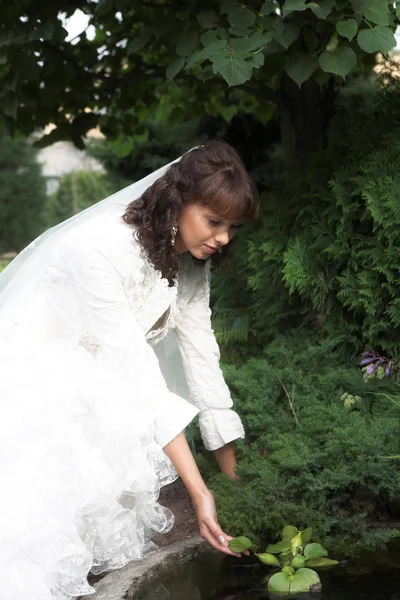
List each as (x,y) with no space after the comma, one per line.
(317,436)
(325,253)
(77,190)
(22,195)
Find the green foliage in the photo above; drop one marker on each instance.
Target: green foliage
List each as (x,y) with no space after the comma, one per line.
(325,251)
(77,190)
(148,56)
(129,158)
(328,467)
(22,195)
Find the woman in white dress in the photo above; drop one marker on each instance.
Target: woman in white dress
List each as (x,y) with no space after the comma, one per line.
(96,322)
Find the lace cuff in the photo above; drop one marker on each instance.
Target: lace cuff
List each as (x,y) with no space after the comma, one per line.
(218,426)
(172,419)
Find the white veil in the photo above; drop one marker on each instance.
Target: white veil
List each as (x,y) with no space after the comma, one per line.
(19,276)
(18,280)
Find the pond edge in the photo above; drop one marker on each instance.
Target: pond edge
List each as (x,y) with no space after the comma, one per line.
(126,583)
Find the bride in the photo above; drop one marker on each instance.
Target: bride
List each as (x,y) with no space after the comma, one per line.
(97,318)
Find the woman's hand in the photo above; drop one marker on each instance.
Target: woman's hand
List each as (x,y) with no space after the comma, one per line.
(208,524)
(181,457)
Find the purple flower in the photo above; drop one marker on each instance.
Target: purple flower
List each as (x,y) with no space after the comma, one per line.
(388,368)
(372,368)
(367,361)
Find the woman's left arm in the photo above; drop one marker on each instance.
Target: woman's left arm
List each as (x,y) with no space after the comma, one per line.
(219,424)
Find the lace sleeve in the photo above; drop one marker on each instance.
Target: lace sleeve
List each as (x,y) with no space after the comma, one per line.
(200,357)
(123,347)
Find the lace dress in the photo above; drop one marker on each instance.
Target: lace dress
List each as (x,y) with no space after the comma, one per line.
(86,413)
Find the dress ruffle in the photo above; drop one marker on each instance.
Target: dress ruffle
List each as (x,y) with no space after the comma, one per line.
(83,473)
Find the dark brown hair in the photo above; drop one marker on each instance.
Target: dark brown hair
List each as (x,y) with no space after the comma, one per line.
(212,175)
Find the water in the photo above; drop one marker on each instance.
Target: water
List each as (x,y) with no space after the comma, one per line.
(214,577)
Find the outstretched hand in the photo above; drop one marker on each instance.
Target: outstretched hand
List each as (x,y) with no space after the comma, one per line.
(210,530)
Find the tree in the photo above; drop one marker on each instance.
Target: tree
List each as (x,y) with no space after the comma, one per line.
(173,60)
(77,190)
(22,195)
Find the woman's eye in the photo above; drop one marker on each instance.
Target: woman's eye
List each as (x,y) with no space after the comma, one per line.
(214,223)
(238,226)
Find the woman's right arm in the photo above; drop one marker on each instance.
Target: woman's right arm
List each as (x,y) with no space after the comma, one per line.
(99,284)
(180,455)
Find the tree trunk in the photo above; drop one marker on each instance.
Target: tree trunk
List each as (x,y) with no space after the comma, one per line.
(305,115)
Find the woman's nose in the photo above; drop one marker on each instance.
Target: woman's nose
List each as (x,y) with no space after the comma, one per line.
(222,238)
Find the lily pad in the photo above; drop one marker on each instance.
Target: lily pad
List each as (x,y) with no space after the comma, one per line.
(315,551)
(279,583)
(303,581)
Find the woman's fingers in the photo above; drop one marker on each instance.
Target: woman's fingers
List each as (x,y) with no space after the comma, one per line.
(213,533)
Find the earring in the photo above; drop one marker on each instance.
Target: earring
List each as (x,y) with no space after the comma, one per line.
(174,231)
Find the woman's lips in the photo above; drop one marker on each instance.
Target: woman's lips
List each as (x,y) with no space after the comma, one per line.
(209,249)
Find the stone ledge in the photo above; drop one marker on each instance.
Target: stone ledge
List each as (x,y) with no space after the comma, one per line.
(125,583)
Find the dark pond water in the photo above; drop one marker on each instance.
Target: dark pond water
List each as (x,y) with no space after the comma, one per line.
(214,577)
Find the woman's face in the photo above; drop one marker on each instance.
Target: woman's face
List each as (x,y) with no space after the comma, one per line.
(201,231)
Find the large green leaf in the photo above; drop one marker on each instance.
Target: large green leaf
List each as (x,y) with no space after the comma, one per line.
(286,33)
(323,9)
(378,13)
(320,562)
(303,581)
(139,41)
(301,66)
(347,28)
(279,547)
(268,7)
(254,42)
(174,68)
(239,544)
(187,43)
(233,68)
(340,62)
(207,19)
(315,551)
(238,14)
(256,60)
(268,559)
(289,532)
(292,5)
(378,39)
(279,583)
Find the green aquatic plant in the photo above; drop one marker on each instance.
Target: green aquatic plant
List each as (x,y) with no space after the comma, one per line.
(296,555)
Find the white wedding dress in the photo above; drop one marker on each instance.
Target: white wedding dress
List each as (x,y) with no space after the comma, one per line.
(85,411)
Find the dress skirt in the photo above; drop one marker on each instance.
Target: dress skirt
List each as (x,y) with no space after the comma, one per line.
(80,473)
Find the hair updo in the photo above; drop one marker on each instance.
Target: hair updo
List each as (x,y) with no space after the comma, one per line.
(212,175)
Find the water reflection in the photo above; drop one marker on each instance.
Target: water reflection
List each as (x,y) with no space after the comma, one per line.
(215,577)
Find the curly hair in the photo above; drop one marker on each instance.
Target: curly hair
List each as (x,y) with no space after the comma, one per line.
(212,175)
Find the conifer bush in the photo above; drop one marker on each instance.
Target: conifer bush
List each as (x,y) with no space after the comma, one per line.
(311,454)
(22,195)
(325,252)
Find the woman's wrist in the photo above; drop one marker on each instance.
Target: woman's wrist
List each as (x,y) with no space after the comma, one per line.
(226,460)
